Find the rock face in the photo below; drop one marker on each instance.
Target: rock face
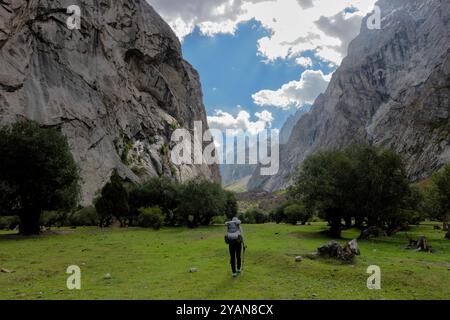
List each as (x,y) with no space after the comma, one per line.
(117,88)
(289,125)
(392,90)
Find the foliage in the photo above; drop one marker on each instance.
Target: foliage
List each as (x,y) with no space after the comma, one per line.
(113,202)
(297,212)
(365,183)
(231,205)
(87,216)
(37,173)
(9,222)
(151,218)
(200,201)
(254,216)
(158,191)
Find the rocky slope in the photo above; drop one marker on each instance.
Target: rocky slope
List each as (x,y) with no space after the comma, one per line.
(289,125)
(117,88)
(392,90)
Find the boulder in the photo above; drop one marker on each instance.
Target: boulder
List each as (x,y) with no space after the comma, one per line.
(334,250)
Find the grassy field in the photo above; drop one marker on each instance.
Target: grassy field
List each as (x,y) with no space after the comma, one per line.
(147,264)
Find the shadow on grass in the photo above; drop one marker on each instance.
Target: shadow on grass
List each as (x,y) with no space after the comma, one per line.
(18,236)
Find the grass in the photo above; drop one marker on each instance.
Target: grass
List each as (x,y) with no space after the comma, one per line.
(146,264)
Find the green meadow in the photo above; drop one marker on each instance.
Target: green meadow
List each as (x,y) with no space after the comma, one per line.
(147,264)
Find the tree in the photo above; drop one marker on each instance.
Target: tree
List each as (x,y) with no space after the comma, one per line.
(231,205)
(113,201)
(159,191)
(381,185)
(441,187)
(363,182)
(297,212)
(200,201)
(37,173)
(325,182)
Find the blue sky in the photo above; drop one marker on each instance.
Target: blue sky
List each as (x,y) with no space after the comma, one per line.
(231,70)
(261,60)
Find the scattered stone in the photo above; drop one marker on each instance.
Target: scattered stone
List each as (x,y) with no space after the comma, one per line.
(298,258)
(193,270)
(3,270)
(334,250)
(107,276)
(420,245)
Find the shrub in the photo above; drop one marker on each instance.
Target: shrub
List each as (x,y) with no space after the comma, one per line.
(113,201)
(87,216)
(53,219)
(255,216)
(295,213)
(150,218)
(9,222)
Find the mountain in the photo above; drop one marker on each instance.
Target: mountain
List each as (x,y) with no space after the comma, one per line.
(117,88)
(392,90)
(286,130)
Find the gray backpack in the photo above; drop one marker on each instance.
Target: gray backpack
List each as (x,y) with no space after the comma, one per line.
(233,232)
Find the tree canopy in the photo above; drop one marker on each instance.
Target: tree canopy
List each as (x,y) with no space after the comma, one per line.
(37,173)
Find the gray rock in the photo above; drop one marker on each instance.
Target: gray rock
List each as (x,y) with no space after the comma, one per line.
(107,276)
(298,259)
(193,270)
(392,90)
(117,88)
(3,270)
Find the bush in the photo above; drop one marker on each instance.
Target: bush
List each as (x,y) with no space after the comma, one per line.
(87,216)
(53,219)
(9,222)
(113,202)
(295,213)
(150,218)
(254,216)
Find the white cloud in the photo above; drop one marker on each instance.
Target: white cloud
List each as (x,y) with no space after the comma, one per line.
(295,93)
(322,26)
(304,62)
(225,121)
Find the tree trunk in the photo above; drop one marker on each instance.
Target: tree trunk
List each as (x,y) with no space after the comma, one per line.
(335,228)
(445,223)
(29,223)
(447,235)
(348,222)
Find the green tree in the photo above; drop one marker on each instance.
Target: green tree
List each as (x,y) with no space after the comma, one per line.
(159,191)
(37,173)
(325,182)
(231,205)
(297,213)
(200,201)
(441,185)
(380,183)
(113,201)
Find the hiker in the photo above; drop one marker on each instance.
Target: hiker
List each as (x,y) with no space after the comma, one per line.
(235,240)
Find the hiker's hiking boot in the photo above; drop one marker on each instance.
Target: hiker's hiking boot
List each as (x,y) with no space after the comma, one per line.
(234,275)
(239,271)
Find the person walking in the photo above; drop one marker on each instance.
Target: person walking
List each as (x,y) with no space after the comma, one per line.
(235,240)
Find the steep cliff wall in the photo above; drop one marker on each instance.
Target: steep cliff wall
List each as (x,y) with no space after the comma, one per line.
(117,88)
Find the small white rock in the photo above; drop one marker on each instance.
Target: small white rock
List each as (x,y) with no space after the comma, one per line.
(107,276)
(298,258)
(193,270)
